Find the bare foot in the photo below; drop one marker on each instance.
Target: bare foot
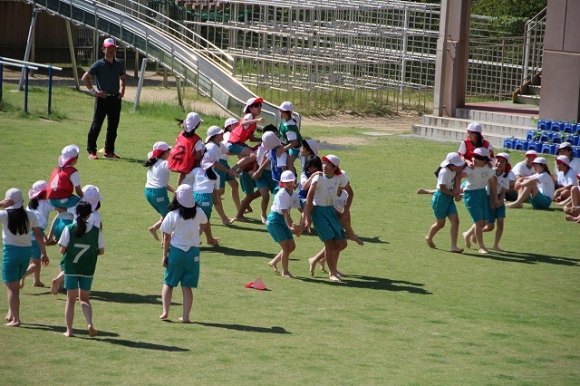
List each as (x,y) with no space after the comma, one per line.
(456,250)
(341,274)
(312,266)
(8,317)
(274,267)
(474,238)
(39,284)
(154,233)
(54,287)
(242,219)
(164,316)
(335,278)
(496,248)
(228,221)
(322,267)
(514,206)
(213,242)
(92,331)
(288,275)
(13,323)
(484,251)
(21,283)
(263,217)
(430,243)
(467,240)
(570,218)
(184,320)
(68,333)
(249,210)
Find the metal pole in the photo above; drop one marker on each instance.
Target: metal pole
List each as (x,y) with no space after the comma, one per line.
(1,78)
(140,83)
(28,45)
(26,71)
(404,51)
(50,90)
(72,55)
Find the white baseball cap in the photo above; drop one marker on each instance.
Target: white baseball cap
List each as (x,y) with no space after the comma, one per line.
(230,121)
(505,156)
(270,140)
(158,149)
(251,101)
(563,160)
(287,176)
(213,130)
(191,122)
(313,145)
(286,106)
(333,160)
(540,160)
(475,127)
(482,151)
(109,42)
(37,189)
(92,195)
(452,159)
(564,145)
(15,195)
(67,154)
(184,195)
(531,153)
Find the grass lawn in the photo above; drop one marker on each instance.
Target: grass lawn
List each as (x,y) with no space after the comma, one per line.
(407,315)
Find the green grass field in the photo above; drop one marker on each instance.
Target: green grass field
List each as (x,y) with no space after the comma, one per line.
(406,315)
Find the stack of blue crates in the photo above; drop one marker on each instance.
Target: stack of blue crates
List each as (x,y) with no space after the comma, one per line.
(547,137)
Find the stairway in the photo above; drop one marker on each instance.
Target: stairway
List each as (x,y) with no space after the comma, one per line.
(529,92)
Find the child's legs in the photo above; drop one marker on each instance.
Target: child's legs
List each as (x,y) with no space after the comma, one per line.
(330,252)
(187,302)
(341,246)
(166,293)
(436,227)
(290,163)
(265,193)
(234,186)
(454,231)
(499,231)
(69,310)
(288,246)
(86,306)
(13,294)
(575,195)
(479,233)
(246,203)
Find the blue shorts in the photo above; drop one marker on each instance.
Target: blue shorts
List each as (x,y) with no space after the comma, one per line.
(540,201)
(266,181)
(14,262)
(237,148)
(224,176)
(70,202)
(205,202)
(182,267)
(73,282)
(35,255)
(495,213)
(477,204)
(326,223)
(443,205)
(58,226)
(247,184)
(158,199)
(295,152)
(277,227)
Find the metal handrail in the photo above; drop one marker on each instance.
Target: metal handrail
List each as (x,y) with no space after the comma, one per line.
(533,46)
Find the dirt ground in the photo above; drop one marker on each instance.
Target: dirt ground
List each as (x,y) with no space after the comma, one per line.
(154,91)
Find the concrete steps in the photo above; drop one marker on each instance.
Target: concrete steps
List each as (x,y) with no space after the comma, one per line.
(496,126)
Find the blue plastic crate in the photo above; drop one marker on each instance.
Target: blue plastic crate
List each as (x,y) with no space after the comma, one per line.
(543,125)
(508,143)
(555,126)
(530,135)
(569,128)
(521,145)
(576,151)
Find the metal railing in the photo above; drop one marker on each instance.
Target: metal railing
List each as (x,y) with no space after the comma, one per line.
(535,31)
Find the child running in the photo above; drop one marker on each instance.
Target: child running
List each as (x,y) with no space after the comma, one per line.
(280,224)
(17,223)
(289,135)
(80,245)
(229,124)
(443,201)
(188,148)
(181,231)
(157,184)
(65,179)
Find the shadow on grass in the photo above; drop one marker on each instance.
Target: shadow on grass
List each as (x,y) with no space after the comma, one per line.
(238,252)
(62,329)
(237,225)
(245,328)
(122,297)
(141,345)
(374,283)
(373,240)
(528,258)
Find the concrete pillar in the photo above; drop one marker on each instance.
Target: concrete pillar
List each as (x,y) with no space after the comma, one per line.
(452,57)
(561,66)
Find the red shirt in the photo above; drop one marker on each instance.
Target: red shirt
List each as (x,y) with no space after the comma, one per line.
(182,155)
(60,185)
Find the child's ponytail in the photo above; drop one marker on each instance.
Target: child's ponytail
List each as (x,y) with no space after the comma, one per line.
(83,210)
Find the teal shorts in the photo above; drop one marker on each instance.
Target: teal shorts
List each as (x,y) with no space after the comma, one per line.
(73,282)
(247,184)
(58,227)
(495,213)
(14,262)
(443,205)
(266,181)
(477,204)
(237,148)
(540,201)
(294,152)
(326,223)
(35,249)
(224,177)
(205,202)
(159,199)
(70,202)
(182,267)
(277,228)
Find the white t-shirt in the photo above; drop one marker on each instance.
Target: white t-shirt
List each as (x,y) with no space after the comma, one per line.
(262,155)
(503,183)
(198,179)
(327,188)
(224,144)
(522,169)
(568,179)
(575,164)
(75,178)
(214,152)
(65,237)
(184,233)
(158,175)
(478,177)
(9,238)
(284,200)
(42,212)
(340,201)
(545,184)
(446,177)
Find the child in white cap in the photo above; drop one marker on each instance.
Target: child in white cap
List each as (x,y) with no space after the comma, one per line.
(473,141)
(289,135)
(229,124)
(502,174)
(280,224)
(309,147)
(80,244)
(17,223)
(538,189)
(65,180)
(443,201)
(565,179)
(157,184)
(181,230)
(475,195)
(188,148)
(41,208)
